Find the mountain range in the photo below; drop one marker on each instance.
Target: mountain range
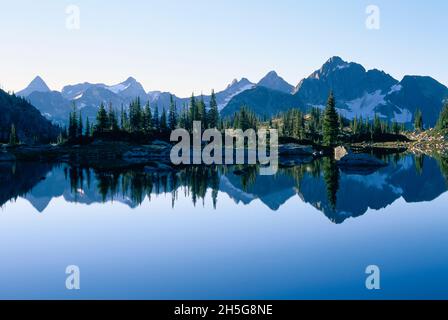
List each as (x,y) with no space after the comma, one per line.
(87,97)
(359,93)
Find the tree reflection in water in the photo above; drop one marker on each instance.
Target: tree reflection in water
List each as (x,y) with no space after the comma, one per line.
(339,194)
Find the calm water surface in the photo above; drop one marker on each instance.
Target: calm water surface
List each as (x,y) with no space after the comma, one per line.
(220,233)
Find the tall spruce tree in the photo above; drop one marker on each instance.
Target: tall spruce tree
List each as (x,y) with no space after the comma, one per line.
(194,113)
(163,122)
(13,137)
(73,123)
(172,115)
(124,120)
(79,128)
(213,113)
(147,119)
(418,120)
(183,118)
(135,116)
(87,129)
(330,126)
(395,127)
(377,125)
(101,119)
(202,110)
(156,119)
(112,119)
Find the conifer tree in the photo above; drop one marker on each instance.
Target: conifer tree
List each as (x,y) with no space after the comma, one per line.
(172,116)
(341,123)
(354,125)
(202,113)
(124,120)
(60,138)
(156,119)
(13,137)
(73,123)
(194,113)
(377,125)
(442,123)
(213,113)
(101,119)
(147,119)
(135,116)
(163,122)
(330,122)
(87,129)
(79,129)
(395,127)
(403,127)
(183,118)
(418,120)
(112,119)
(70,128)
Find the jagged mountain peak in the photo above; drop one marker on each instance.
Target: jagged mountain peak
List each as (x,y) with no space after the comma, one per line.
(231,84)
(36,85)
(273,81)
(237,83)
(38,81)
(359,93)
(348,80)
(336,65)
(336,60)
(272,73)
(131,79)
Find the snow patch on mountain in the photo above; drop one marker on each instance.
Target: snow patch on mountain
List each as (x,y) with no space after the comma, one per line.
(404,116)
(364,106)
(154,95)
(395,88)
(233,94)
(342,66)
(118,87)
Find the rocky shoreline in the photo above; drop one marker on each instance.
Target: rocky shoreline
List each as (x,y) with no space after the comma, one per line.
(155,157)
(96,154)
(430,142)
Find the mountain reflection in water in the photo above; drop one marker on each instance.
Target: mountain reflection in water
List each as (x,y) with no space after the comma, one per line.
(337,193)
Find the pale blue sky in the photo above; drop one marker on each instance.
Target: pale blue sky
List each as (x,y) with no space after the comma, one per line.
(197,45)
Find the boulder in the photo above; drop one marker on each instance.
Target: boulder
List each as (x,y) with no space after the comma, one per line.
(340,152)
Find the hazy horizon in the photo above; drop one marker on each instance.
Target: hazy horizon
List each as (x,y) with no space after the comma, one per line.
(199,46)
